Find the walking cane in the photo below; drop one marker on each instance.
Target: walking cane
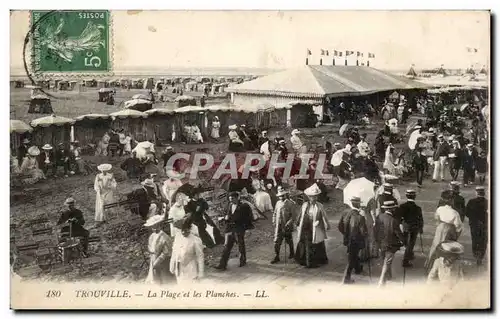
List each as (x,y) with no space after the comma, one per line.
(421,244)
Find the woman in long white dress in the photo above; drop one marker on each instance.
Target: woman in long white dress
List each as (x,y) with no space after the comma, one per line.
(104,186)
(177,213)
(30,166)
(102,147)
(389,165)
(159,248)
(171,185)
(215,128)
(187,262)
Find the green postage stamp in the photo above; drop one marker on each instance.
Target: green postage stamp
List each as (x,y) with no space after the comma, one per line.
(70,41)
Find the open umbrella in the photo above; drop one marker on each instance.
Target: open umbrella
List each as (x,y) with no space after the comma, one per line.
(337,157)
(343,129)
(360,187)
(142,149)
(17,126)
(140,105)
(412,141)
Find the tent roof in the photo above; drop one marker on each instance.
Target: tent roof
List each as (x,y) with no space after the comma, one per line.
(317,81)
(51,120)
(159,112)
(128,113)
(92,116)
(411,72)
(20,127)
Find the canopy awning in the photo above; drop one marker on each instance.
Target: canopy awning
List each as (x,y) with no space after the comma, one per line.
(92,116)
(51,120)
(128,113)
(17,126)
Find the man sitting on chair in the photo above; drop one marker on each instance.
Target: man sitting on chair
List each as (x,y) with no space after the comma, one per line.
(74,228)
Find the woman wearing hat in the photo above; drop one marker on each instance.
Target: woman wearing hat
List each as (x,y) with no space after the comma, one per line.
(104,186)
(29,166)
(214,133)
(47,159)
(171,185)
(449,226)
(389,165)
(159,248)
(188,261)
(297,144)
(310,249)
(235,143)
(447,268)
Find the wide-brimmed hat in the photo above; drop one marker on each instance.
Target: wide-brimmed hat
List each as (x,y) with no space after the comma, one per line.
(295,131)
(33,151)
(417,127)
(169,147)
(470,145)
(312,190)
(455,185)
(480,190)
(281,191)
(440,136)
(451,249)
(389,204)
(388,186)
(104,167)
(26,141)
(232,127)
(172,174)
(243,125)
(153,220)
(355,199)
(148,182)
(47,147)
(69,201)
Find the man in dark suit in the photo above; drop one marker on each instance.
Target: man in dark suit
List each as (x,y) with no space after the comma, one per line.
(413,224)
(455,160)
(75,221)
(440,156)
(238,221)
(22,150)
(477,213)
(353,226)
(389,238)
(420,165)
(63,158)
(167,154)
(469,159)
(387,195)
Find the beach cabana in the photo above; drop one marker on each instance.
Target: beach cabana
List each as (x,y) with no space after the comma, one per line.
(89,128)
(141,96)
(104,94)
(160,125)
(40,103)
(141,105)
(131,121)
(51,130)
(18,131)
(63,85)
(185,100)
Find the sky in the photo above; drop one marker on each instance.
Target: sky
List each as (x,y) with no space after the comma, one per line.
(280,39)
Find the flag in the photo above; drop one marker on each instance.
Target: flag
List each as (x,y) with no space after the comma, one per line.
(475,50)
(340,53)
(348,53)
(327,53)
(322,52)
(335,53)
(358,53)
(309,52)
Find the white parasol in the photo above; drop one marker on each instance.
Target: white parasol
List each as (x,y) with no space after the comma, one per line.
(412,141)
(143,148)
(464,106)
(360,187)
(337,157)
(343,129)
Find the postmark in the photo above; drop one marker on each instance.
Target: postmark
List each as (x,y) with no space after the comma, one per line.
(71,42)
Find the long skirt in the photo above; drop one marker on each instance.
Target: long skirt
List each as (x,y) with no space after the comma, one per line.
(444,232)
(311,255)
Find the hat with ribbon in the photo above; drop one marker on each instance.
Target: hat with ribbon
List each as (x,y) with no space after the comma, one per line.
(451,249)
(104,167)
(390,204)
(148,182)
(33,151)
(312,190)
(47,147)
(69,201)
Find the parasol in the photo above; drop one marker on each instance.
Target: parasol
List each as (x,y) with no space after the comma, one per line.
(337,157)
(17,126)
(463,107)
(343,129)
(413,140)
(360,187)
(143,148)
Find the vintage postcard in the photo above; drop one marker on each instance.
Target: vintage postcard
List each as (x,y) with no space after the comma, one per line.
(250,159)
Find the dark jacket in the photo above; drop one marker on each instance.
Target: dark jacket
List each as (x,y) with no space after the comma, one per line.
(77,229)
(142,199)
(385,198)
(240,220)
(441,150)
(62,155)
(166,156)
(353,226)
(477,211)
(42,157)
(387,233)
(197,211)
(410,215)
(469,160)
(132,166)
(419,162)
(481,165)
(456,161)
(21,153)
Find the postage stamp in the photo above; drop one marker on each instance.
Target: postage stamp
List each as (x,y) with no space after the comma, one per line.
(70,41)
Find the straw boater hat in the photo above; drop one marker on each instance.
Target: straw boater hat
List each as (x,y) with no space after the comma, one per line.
(455,185)
(169,147)
(410,193)
(281,191)
(390,204)
(295,131)
(69,201)
(312,190)
(47,147)
(451,249)
(26,141)
(388,187)
(243,125)
(417,127)
(232,127)
(172,174)
(148,182)
(33,151)
(153,220)
(480,190)
(470,145)
(104,167)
